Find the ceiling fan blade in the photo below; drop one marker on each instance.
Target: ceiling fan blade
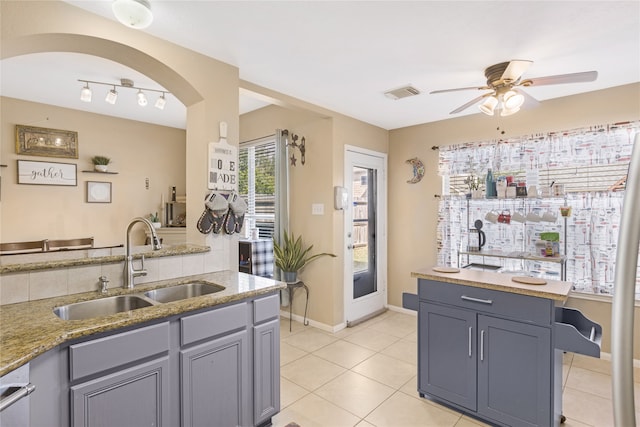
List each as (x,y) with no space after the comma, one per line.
(459,89)
(585,76)
(470,103)
(516,69)
(529,101)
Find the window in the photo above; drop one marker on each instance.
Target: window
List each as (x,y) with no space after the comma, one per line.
(257,184)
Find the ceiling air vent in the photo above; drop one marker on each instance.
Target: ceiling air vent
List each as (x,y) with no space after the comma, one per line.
(402,92)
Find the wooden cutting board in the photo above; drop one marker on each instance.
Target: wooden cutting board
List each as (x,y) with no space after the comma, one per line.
(444,269)
(529,280)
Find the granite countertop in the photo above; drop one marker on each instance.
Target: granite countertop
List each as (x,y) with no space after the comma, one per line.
(28,329)
(62,259)
(554,289)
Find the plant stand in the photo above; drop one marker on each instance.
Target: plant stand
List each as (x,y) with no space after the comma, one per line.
(291,287)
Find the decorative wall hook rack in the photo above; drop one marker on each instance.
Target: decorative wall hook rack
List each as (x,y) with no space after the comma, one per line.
(300,146)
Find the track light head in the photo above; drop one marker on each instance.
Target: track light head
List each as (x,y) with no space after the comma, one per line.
(112,96)
(85,93)
(161,102)
(142,98)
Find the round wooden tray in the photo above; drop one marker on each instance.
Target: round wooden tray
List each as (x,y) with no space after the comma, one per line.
(444,269)
(529,280)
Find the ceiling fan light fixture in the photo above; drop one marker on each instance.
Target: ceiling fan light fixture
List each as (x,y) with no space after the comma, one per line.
(85,93)
(133,13)
(142,98)
(512,100)
(509,111)
(161,102)
(112,96)
(489,105)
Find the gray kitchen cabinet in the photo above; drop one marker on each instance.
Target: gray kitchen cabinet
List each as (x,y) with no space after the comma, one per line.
(496,355)
(215,383)
(266,371)
(214,367)
(514,372)
(114,383)
(135,396)
(447,362)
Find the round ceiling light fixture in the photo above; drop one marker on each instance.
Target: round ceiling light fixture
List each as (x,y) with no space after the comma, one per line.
(133,13)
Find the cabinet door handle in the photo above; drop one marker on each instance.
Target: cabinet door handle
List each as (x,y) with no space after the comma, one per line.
(470,335)
(482,345)
(481,301)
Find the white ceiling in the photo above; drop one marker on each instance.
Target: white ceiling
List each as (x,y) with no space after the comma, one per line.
(344,55)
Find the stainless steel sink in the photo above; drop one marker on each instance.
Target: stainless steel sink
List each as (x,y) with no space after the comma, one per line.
(184,291)
(100,307)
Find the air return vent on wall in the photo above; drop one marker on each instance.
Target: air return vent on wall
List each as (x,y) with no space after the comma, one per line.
(402,92)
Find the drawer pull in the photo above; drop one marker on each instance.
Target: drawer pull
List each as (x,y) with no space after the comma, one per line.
(470,334)
(481,301)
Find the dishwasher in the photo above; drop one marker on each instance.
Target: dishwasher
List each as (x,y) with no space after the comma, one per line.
(14,402)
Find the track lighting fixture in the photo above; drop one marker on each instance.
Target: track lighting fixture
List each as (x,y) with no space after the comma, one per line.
(85,93)
(112,95)
(133,13)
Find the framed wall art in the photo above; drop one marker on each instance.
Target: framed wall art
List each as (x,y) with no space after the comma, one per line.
(98,192)
(35,141)
(47,173)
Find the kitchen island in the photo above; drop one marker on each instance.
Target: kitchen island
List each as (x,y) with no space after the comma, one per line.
(172,363)
(492,347)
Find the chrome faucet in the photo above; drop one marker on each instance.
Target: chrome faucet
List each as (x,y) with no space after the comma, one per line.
(130,271)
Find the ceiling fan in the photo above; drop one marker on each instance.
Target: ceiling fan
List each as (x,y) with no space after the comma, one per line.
(502,81)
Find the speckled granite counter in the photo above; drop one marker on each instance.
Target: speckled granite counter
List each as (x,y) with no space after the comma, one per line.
(554,289)
(63,259)
(31,328)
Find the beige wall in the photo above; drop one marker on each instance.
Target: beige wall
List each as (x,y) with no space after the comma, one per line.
(413,208)
(313,183)
(209,88)
(138,151)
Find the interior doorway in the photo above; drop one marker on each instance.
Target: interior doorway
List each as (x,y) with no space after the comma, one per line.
(365,239)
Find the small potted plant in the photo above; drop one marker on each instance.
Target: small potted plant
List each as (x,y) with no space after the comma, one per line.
(100,163)
(292,256)
(155,220)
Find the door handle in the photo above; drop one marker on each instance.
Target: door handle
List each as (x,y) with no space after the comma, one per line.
(470,334)
(482,345)
(16,395)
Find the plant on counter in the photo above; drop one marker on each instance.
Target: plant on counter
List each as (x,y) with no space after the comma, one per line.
(155,220)
(292,256)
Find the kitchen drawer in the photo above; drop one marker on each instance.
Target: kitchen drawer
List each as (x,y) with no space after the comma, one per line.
(577,334)
(266,308)
(514,306)
(211,323)
(116,350)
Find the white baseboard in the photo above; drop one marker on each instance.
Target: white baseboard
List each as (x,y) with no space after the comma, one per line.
(311,322)
(402,310)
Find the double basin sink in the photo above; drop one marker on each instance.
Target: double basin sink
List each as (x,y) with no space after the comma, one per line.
(121,303)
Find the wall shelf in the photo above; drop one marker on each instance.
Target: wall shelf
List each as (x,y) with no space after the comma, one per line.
(106,173)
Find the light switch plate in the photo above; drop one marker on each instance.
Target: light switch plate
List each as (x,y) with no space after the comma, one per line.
(317,209)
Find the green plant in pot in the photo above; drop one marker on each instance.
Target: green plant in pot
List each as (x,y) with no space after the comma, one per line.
(292,256)
(100,163)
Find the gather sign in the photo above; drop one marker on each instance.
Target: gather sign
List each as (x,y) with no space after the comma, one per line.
(46,173)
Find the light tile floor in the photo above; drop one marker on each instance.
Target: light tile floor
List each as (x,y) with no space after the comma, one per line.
(366,376)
